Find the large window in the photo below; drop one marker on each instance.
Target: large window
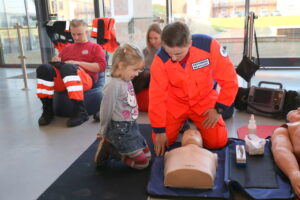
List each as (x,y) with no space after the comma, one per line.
(20,12)
(221,19)
(133,18)
(70,9)
(277,27)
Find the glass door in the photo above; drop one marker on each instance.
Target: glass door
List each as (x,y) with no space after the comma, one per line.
(20,12)
(70,9)
(133,17)
(278,31)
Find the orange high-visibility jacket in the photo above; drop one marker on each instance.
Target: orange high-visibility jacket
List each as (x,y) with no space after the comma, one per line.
(104,31)
(175,89)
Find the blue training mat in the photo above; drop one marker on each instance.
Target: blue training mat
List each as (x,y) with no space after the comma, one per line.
(223,186)
(156,183)
(283,190)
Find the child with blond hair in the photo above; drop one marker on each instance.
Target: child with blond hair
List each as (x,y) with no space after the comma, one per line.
(119,133)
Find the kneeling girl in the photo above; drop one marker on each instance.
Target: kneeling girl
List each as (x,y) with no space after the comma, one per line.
(119,133)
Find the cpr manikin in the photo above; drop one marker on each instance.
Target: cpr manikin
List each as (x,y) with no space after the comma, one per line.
(286,149)
(190,166)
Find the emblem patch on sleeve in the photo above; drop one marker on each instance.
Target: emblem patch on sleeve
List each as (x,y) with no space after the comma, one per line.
(200,64)
(223,51)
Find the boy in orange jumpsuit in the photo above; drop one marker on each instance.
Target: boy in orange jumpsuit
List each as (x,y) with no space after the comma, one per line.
(182,87)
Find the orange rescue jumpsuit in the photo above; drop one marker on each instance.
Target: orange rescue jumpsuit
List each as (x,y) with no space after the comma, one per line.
(178,93)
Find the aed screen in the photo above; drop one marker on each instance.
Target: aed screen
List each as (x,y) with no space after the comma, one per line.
(262,96)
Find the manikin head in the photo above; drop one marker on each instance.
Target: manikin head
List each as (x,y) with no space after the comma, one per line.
(192,136)
(294,115)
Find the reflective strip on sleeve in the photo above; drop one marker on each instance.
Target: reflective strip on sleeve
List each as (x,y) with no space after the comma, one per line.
(75,88)
(43,91)
(67,28)
(46,83)
(71,78)
(95,30)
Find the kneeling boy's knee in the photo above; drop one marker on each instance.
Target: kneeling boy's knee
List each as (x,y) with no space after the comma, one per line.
(216,144)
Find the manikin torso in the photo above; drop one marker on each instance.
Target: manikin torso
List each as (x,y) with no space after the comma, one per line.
(190,166)
(294,134)
(294,131)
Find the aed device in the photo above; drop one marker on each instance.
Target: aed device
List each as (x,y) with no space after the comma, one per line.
(266,101)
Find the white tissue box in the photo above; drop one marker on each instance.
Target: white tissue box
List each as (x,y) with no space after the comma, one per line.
(254,144)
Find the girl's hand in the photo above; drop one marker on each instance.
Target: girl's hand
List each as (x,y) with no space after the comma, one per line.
(99,136)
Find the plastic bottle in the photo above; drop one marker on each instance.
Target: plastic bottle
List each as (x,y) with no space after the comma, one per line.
(252,125)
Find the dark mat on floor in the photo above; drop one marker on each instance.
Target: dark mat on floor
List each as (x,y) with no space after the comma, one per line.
(82,180)
(31,75)
(249,178)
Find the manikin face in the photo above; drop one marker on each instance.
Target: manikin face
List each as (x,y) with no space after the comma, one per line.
(177,53)
(294,115)
(79,34)
(192,136)
(130,71)
(154,39)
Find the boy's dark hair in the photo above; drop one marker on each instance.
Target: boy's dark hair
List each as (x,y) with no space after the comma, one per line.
(176,34)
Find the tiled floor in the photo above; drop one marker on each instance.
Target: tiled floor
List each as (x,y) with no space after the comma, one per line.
(32,157)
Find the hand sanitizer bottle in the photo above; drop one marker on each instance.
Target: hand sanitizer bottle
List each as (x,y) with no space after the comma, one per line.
(252,125)
(254,144)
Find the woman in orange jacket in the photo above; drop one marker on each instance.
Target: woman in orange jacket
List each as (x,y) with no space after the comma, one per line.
(183,74)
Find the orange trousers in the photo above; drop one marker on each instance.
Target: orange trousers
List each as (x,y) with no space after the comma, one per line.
(85,78)
(213,138)
(74,82)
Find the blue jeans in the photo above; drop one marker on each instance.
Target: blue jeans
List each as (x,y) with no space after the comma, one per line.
(125,137)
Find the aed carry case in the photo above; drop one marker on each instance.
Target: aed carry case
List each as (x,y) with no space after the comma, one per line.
(267,101)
